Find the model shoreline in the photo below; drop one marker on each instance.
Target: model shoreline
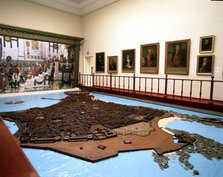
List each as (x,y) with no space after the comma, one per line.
(93,130)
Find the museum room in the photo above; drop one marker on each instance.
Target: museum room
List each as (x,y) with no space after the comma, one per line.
(111,88)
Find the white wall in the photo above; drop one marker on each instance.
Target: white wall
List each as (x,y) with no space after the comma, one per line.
(129,23)
(25,14)
(126,25)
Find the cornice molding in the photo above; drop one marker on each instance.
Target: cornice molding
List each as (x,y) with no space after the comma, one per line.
(83,8)
(26,33)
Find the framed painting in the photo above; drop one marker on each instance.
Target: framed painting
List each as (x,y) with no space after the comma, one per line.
(177,57)
(149,58)
(207,44)
(112,64)
(128,60)
(205,65)
(100,62)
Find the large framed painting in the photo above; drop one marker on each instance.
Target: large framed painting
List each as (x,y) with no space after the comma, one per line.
(128,60)
(207,44)
(177,57)
(205,65)
(149,58)
(100,62)
(112,64)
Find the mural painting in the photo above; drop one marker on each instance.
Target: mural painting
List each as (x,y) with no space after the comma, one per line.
(34,65)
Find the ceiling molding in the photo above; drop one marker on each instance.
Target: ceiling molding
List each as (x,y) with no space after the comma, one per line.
(77,7)
(26,33)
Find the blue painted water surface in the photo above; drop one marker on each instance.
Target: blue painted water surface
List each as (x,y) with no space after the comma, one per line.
(30,101)
(13,128)
(207,168)
(131,164)
(198,128)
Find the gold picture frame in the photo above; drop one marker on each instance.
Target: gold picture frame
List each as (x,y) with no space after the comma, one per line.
(177,57)
(100,62)
(128,60)
(207,44)
(149,58)
(112,64)
(205,65)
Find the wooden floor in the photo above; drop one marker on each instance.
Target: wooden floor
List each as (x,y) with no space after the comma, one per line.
(158,140)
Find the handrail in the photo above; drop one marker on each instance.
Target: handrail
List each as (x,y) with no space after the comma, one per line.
(148,77)
(175,87)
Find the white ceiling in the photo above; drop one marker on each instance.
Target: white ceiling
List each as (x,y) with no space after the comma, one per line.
(77,7)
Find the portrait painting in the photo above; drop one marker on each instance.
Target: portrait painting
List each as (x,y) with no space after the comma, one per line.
(112,64)
(207,44)
(177,57)
(149,58)
(205,65)
(35,45)
(100,62)
(128,60)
